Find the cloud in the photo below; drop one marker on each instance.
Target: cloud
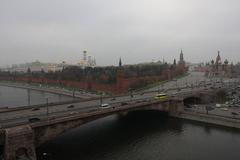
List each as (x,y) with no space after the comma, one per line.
(136,30)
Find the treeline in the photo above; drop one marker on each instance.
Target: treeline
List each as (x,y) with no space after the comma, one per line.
(100,74)
(144,70)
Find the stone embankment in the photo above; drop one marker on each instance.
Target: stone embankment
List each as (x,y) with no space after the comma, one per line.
(212,119)
(60,91)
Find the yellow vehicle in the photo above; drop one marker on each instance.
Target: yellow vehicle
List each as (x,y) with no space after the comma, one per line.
(161,96)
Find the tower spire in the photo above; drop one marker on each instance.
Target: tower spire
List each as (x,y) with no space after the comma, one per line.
(120,62)
(218,59)
(181,60)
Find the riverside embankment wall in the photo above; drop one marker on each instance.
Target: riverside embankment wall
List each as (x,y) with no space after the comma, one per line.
(212,119)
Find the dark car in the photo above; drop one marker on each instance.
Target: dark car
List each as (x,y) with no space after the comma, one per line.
(70,106)
(34,119)
(113,99)
(124,103)
(35,109)
(187,106)
(234,113)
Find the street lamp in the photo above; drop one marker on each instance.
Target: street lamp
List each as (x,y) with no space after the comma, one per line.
(47,107)
(101,98)
(29,100)
(73,94)
(131,93)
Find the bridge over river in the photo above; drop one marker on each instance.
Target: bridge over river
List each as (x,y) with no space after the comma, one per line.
(21,140)
(19,135)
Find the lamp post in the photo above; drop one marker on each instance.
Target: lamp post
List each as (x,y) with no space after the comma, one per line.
(47,107)
(131,93)
(101,98)
(29,100)
(73,93)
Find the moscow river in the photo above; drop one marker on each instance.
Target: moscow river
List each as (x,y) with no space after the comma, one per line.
(144,136)
(13,97)
(136,136)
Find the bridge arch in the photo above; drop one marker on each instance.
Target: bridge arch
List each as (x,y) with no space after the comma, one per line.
(192,100)
(1,151)
(44,132)
(22,153)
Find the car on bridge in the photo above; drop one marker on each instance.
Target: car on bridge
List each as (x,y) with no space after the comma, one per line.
(161,96)
(70,106)
(33,119)
(124,103)
(174,93)
(35,109)
(104,106)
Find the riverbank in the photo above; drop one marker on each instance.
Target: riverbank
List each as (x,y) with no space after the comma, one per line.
(49,89)
(211,119)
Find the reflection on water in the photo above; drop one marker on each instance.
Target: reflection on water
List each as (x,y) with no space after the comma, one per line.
(12,97)
(143,136)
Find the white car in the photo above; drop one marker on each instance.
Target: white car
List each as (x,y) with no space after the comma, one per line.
(74,112)
(174,93)
(104,105)
(224,109)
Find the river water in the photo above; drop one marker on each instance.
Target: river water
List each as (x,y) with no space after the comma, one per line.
(144,136)
(139,136)
(13,97)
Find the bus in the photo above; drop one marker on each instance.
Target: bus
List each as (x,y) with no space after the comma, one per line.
(161,96)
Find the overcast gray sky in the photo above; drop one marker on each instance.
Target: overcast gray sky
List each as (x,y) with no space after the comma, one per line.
(136,30)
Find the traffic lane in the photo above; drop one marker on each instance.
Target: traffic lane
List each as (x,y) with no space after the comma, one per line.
(192,77)
(87,104)
(172,83)
(66,110)
(52,115)
(57,108)
(24,119)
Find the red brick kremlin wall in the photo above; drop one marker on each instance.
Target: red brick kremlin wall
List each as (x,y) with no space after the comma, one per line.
(122,84)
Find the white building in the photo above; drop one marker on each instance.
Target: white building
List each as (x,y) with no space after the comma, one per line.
(36,67)
(87,60)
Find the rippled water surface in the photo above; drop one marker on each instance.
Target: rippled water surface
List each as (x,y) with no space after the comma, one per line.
(13,97)
(144,136)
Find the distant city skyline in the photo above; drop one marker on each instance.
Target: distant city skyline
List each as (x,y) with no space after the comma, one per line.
(137,31)
(79,62)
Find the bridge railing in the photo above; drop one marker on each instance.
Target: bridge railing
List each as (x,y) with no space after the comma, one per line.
(75,111)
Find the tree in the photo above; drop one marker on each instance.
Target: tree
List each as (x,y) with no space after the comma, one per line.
(29,70)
